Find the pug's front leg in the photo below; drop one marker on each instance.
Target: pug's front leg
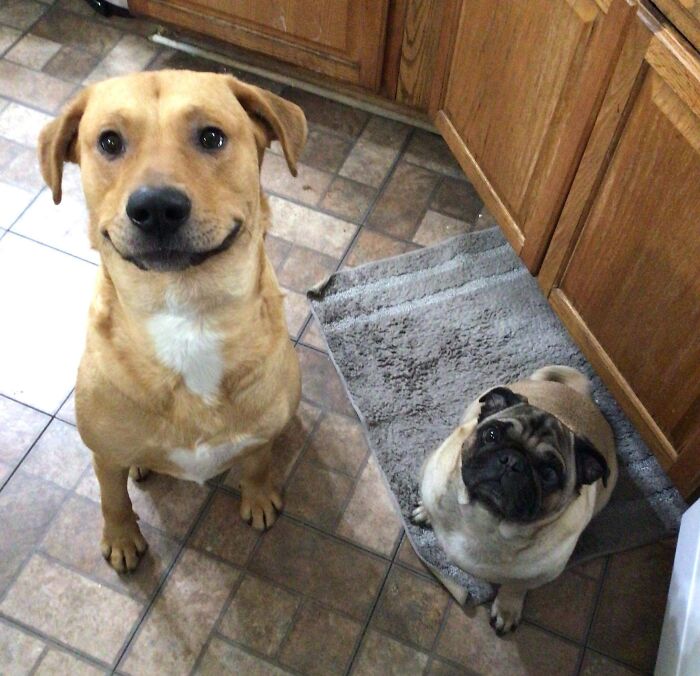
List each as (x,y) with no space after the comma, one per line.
(507,608)
(122,543)
(420,515)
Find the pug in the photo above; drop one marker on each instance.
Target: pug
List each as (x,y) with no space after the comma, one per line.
(510,491)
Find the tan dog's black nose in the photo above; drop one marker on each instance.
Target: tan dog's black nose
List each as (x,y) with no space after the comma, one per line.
(158,211)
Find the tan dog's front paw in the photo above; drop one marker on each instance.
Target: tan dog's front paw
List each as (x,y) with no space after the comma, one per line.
(123,547)
(260,505)
(137,473)
(506,611)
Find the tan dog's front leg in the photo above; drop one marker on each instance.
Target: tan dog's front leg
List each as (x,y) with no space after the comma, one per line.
(260,500)
(122,542)
(507,608)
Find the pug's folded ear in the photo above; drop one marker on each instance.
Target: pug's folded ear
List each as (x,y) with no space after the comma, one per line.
(498,399)
(590,464)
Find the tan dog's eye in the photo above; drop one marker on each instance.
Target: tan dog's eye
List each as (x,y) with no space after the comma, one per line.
(212,138)
(111,143)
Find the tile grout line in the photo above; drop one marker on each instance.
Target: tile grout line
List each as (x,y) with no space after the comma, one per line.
(128,642)
(52,642)
(594,612)
(39,660)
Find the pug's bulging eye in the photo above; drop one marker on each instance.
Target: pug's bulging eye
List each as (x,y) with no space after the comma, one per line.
(212,138)
(491,435)
(549,476)
(111,143)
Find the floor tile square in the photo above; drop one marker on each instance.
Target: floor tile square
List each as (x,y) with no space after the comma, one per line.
(59,456)
(308,186)
(223,658)
(312,336)
(130,54)
(325,151)
(57,663)
(19,651)
(20,14)
(312,229)
(22,124)
(71,64)
(321,642)
(408,557)
(296,311)
(67,411)
(328,115)
(467,639)
(74,538)
(223,533)
(440,668)
(23,171)
(27,506)
(20,426)
(595,664)
(277,250)
(182,616)
(338,443)
(33,52)
(458,199)
(630,611)
(69,607)
(564,605)
(35,370)
(373,246)
(403,202)
(333,573)
(305,268)
(8,36)
(77,31)
(380,654)
(436,228)
(317,495)
(375,151)
(259,616)
(14,201)
(410,608)
(320,382)
(371,518)
(348,199)
(37,89)
(430,151)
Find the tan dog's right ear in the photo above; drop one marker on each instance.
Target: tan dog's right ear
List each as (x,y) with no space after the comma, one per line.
(57,143)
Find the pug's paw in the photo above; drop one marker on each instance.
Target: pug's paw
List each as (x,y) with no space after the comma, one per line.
(260,505)
(138,473)
(506,611)
(420,515)
(122,546)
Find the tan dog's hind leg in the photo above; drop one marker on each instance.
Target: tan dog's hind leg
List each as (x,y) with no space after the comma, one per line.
(260,500)
(122,542)
(507,608)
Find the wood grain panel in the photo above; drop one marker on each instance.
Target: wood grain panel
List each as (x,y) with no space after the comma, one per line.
(633,276)
(685,16)
(525,85)
(343,39)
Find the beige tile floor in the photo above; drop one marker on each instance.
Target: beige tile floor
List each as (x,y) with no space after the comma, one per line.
(333,587)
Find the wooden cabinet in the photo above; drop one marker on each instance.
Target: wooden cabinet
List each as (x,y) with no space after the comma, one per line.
(343,39)
(623,270)
(525,83)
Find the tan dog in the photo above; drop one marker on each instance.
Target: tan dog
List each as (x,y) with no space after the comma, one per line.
(510,491)
(188,366)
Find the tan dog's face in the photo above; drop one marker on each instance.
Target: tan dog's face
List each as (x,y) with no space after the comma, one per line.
(170,163)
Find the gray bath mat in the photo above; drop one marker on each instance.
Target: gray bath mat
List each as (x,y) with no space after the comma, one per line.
(418,337)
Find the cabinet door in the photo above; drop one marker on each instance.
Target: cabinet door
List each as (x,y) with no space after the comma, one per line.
(630,292)
(340,38)
(525,83)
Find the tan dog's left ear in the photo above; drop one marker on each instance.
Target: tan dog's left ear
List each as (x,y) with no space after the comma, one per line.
(283,120)
(57,143)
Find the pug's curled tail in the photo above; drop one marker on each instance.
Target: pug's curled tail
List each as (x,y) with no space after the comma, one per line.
(565,375)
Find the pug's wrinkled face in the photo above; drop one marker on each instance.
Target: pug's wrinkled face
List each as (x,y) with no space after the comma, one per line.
(522,463)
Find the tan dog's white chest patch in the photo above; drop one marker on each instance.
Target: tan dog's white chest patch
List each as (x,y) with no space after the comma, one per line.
(185,342)
(204,461)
